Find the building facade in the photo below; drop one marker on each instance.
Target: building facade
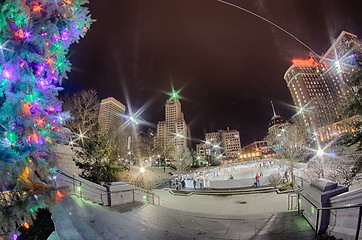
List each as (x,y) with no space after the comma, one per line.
(310,93)
(111,114)
(319,88)
(213,143)
(174,133)
(255,150)
(276,127)
(339,64)
(230,143)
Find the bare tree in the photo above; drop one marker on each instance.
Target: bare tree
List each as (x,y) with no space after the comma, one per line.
(182,161)
(290,144)
(164,150)
(83,108)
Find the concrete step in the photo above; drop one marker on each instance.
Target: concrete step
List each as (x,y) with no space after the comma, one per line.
(110,224)
(127,225)
(82,227)
(92,216)
(63,224)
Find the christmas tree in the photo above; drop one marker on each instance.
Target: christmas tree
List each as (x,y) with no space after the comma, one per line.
(35,36)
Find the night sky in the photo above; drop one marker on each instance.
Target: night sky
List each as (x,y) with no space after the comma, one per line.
(227,63)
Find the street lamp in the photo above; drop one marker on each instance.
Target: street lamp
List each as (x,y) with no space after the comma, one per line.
(129,153)
(320,152)
(159,160)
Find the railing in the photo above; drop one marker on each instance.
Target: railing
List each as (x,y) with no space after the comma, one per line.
(83,188)
(100,194)
(359,206)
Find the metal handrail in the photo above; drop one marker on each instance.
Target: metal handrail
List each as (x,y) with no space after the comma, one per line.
(333,208)
(105,192)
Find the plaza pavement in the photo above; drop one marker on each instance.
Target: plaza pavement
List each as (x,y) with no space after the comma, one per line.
(251,216)
(233,205)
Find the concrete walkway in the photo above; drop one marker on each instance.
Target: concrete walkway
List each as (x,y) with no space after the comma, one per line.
(232,205)
(252,216)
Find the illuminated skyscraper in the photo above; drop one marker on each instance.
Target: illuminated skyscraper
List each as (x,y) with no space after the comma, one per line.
(319,88)
(310,93)
(339,64)
(174,132)
(111,114)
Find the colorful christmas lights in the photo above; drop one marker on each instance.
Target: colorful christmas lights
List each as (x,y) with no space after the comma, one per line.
(35,36)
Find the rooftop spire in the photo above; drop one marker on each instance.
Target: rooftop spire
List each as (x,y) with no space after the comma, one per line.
(273,108)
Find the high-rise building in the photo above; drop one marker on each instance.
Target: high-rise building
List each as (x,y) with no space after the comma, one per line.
(225,143)
(319,87)
(213,143)
(339,64)
(230,142)
(310,92)
(111,114)
(174,132)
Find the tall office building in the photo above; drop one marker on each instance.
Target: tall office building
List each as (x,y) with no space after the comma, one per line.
(318,87)
(174,132)
(222,142)
(339,64)
(310,92)
(230,142)
(213,143)
(111,114)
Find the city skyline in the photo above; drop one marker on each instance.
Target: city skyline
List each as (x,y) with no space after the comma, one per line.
(228,64)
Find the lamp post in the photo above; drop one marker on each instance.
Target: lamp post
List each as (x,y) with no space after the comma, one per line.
(320,154)
(159,160)
(129,153)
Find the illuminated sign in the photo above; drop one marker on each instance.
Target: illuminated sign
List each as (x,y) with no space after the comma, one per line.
(305,63)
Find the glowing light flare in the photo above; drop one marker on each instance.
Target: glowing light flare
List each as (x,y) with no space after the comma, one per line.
(49,61)
(19,34)
(37,8)
(33,138)
(59,196)
(3,47)
(80,136)
(64,35)
(67,2)
(40,122)
(26,225)
(26,108)
(11,137)
(320,152)
(175,94)
(6,73)
(27,34)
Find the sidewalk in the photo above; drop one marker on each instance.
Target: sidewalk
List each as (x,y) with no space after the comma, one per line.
(228,205)
(79,219)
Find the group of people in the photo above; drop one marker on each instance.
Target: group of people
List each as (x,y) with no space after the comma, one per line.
(174,183)
(203,179)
